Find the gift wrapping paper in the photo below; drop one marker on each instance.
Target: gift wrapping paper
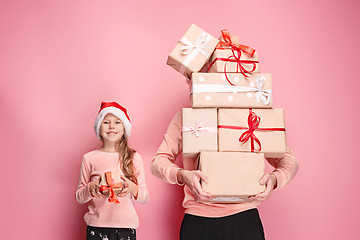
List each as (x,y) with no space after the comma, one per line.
(199,130)
(232,176)
(192,51)
(111,182)
(235,90)
(229,60)
(252,130)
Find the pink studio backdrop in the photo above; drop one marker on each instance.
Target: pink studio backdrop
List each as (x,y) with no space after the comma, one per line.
(60,59)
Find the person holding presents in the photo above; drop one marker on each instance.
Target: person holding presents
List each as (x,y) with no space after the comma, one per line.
(215,221)
(117,219)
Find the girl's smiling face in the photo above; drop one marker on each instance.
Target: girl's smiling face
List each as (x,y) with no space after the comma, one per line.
(111,129)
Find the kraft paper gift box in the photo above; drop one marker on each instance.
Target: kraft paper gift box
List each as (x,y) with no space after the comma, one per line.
(233,90)
(232,176)
(199,131)
(229,60)
(192,51)
(252,130)
(230,56)
(111,184)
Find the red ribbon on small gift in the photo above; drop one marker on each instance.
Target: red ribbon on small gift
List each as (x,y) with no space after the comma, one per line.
(253,125)
(229,43)
(109,180)
(237,50)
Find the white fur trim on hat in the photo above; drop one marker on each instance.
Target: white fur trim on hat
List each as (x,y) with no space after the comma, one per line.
(118,113)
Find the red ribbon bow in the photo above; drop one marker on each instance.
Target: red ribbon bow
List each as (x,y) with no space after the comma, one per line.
(253,124)
(229,43)
(109,180)
(237,50)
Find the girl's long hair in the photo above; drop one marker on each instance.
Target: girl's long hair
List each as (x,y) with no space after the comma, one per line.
(126,156)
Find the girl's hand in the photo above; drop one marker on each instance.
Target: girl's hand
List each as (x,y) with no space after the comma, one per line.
(94,188)
(270,182)
(129,187)
(192,180)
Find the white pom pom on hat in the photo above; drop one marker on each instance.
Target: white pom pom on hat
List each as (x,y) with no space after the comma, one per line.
(115,109)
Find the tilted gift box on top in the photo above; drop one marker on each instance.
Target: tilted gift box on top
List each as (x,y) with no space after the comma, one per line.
(231,56)
(252,130)
(111,184)
(233,90)
(232,176)
(199,130)
(192,51)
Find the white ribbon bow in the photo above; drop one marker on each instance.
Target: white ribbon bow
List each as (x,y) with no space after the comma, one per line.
(192,50)
(261,94)
(195,130)
(200,44)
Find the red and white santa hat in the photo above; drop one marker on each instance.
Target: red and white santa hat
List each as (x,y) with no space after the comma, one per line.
(116,109)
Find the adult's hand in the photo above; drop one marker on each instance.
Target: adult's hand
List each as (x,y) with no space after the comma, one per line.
(270,182)
(191,178)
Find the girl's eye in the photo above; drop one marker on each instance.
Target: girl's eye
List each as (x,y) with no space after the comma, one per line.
(118,122)
(105,122)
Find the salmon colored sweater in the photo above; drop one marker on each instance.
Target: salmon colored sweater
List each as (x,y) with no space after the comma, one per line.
(164,167)
(101,212)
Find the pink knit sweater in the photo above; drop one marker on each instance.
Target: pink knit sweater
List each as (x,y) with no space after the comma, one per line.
(102,213)
(164,167)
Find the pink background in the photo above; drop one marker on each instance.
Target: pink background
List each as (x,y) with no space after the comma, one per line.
(60,59)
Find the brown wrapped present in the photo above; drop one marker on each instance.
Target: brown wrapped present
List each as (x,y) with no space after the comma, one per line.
(199,130)
(111,184)
(192,51)
(252,130)
(230,56)
(229,60)
(232,176)
(215,90)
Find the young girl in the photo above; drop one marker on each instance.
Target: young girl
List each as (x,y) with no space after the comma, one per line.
(107,220)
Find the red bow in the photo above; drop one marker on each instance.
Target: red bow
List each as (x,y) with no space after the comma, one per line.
(109,180)
(253,123)
(236,46)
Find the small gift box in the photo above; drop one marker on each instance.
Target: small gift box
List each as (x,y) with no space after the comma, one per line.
(199,130)
(231,56)
(235,90)
(192,51)
(232,176)
(252,130)
(111,184)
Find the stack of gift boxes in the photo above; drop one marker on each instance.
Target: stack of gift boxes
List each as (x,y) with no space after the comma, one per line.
(231,126)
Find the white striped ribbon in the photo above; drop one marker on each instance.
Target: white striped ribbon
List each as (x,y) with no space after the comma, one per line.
(195,130)
(261,94)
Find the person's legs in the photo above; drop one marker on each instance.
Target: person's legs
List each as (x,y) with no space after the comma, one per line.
(241,226)
(195,228)
(126,233)
(99,233)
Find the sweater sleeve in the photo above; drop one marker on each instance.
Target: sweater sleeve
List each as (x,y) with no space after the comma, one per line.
(82,193)
(285,168)
(162,165)
(143,194)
